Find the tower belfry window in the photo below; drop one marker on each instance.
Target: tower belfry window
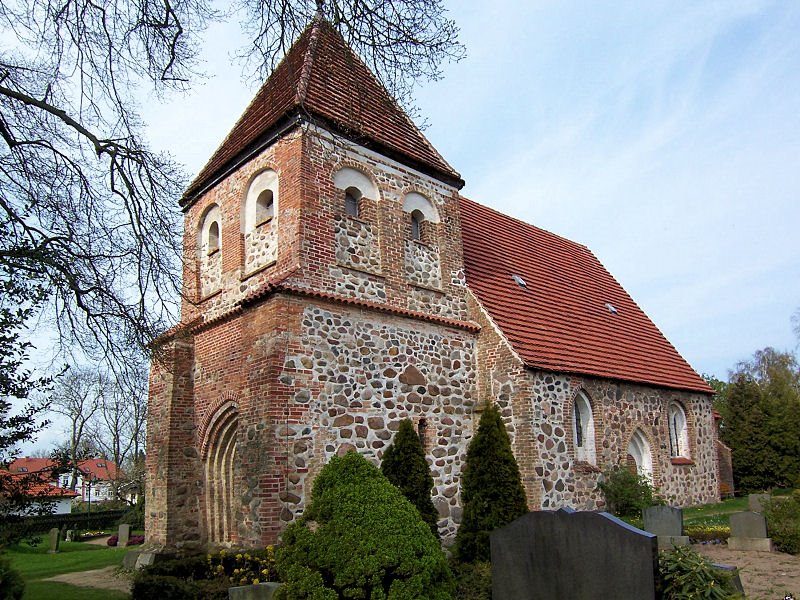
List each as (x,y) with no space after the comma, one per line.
(416,225)
(265,207)
(351,197)
(213,238)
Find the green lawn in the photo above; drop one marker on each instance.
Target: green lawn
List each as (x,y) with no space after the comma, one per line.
(714,514)
(35,564)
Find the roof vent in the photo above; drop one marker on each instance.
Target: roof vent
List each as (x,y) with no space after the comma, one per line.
(519,280)
(611,308)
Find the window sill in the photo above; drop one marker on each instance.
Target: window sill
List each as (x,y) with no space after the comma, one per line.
(680,460)
(257,270)
(421,244)
(264,222)
(210,295)
(427,288)
(379,273)
(358,220)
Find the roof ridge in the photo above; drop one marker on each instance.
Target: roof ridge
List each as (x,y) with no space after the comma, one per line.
(308,60)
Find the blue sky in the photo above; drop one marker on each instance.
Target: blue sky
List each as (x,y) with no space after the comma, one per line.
(665,136)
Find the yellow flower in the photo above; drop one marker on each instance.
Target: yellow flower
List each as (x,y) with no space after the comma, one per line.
(255,581)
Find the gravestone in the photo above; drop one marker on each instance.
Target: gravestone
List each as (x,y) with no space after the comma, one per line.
(123,535)
(55,539)
(755,502)
(575,555)
(259,591)
(667,523)
(749,532)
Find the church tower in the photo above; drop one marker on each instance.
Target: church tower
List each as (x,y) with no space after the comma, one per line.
(324,302)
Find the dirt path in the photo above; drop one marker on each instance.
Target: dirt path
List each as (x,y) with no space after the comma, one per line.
(765,575)
(106,579)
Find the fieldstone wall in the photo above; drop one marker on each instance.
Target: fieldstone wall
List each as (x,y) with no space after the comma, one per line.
(357,246)
(422,264)
(360,375)
(537,409)
(260,246)
(210,274)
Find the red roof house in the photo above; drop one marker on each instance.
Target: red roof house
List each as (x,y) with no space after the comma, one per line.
(336,283)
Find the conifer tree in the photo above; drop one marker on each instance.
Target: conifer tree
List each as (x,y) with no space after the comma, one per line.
(405,466)
(491,489)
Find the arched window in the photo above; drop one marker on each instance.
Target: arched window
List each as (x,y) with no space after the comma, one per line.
(265,207)
(678,431)
(213,237)
(583,429)
(260,201)
(416,225)
(351,197)
(356,186)
(639,453)
(420,210)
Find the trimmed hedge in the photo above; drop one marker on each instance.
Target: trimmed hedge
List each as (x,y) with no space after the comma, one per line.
(94,520)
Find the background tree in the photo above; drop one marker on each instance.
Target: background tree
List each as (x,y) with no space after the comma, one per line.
(491,489)
(762,421)
(117,427)
(18,301)
(78,397)
(88,211)
(404,465)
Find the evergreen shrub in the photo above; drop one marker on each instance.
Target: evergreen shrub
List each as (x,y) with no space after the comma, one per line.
(492,495)
(783,521)
(179,579)
(360,538)
(686,574)
(404,465)
(12,585)
(627,493)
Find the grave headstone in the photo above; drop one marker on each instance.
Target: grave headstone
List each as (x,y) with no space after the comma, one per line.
(731,570)
(259,591)
(123,535)
(576,555)
(667,523)
(70,535)
(130,558)
(749,532)
(54,537)
(755,502)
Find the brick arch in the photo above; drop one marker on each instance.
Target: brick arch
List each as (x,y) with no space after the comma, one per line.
(591,433)
(373,193)
(226,401)
(653,446)
(218,453)
(688,434)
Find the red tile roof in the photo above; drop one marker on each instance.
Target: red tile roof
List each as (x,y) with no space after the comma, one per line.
(323,79)
(106,472)
(560,320)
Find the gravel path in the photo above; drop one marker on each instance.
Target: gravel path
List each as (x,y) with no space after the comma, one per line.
(765,575)
(106,579)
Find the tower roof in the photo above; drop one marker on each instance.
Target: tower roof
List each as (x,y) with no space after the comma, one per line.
(560,309)
(322,80)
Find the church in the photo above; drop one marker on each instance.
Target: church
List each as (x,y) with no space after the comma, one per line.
(336,283)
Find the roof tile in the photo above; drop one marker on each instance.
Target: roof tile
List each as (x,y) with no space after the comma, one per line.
(559,321)
(322,78)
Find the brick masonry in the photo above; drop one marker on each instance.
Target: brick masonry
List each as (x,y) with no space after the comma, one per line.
(375,328)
